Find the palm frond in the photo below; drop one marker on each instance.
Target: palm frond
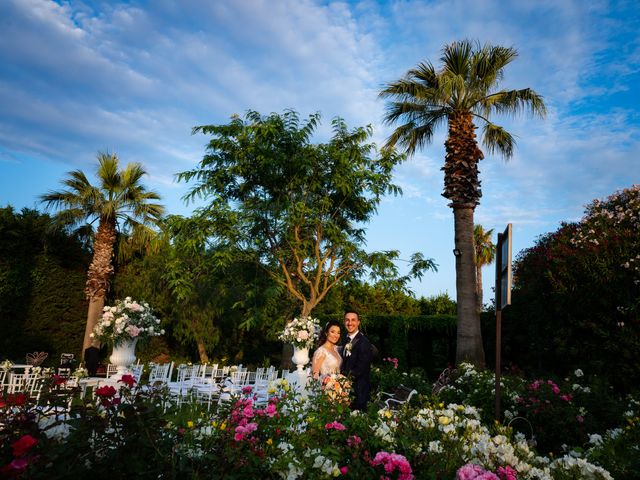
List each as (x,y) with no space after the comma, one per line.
(497,139)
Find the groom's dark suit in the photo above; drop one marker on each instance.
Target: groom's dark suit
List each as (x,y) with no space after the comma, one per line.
(356,362)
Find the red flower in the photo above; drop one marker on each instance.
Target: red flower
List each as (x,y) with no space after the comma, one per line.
(106,391)
(23,445)
(128,380)
(16,399)
(58,380)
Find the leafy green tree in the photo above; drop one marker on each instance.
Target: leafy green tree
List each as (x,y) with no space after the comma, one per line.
(296,207)
(462,91)
(119,202)
(485,254)
(440,304)
(575,302)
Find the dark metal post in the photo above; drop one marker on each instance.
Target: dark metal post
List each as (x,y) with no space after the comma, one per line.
(498,366)
(498,412)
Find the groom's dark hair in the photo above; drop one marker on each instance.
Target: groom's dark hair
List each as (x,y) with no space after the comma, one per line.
(351,310)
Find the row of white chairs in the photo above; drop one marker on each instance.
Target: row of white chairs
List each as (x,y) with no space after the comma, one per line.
(212,383)
(30,381)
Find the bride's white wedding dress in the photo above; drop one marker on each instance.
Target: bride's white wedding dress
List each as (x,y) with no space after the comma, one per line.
(331,361)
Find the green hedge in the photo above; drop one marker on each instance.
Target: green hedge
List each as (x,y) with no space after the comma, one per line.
(417,341)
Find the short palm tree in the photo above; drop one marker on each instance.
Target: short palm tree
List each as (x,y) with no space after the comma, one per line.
(119,203)
(464,90)
(485,253)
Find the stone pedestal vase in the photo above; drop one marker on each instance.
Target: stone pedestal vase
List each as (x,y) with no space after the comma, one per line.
(300,377)
(300,357)
(123,355)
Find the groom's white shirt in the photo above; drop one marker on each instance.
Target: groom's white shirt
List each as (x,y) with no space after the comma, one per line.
(351,337)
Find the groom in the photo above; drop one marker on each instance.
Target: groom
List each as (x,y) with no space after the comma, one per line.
(356,360)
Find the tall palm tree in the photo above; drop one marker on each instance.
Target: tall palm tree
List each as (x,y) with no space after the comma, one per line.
(485,253)
(119,203)
(464,90)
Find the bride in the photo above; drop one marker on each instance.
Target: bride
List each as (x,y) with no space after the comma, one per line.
(326,359)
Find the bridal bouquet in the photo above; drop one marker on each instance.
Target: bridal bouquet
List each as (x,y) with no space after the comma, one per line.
(301,332)
(127,320)
(336,387)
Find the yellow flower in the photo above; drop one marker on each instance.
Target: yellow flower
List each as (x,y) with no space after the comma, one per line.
(223,426)
(269,442)
(271,390)
(336,472)
(214,424)
(444,420)
(387,414)
(190,424)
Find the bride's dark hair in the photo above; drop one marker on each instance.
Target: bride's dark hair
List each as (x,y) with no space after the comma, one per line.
(323,335)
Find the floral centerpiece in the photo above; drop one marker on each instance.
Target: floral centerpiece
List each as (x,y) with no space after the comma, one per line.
(125,321)
(301,332)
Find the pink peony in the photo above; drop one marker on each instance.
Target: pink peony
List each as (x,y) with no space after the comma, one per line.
(303,335)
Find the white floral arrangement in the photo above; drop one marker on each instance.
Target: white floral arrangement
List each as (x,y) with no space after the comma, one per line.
(301,332)
(127,320)
(6,365)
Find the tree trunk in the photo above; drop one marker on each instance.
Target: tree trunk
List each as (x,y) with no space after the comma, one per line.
(202,351)
(479,293)
(469,337)
(99,275)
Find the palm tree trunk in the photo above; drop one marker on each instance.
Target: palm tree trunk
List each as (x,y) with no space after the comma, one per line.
(469,337)
(99,275)
(479,293)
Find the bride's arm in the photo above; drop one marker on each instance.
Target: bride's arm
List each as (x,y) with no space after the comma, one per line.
(316,364)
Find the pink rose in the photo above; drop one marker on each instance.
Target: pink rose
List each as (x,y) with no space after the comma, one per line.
(303,335)
(132,330)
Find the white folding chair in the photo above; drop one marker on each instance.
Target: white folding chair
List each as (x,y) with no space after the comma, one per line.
(136,371)
(17,382)
(161,373)
(111,370)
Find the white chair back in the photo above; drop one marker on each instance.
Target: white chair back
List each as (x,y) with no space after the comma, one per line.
(111,370)
(161,373)
(136,371)
(17,382)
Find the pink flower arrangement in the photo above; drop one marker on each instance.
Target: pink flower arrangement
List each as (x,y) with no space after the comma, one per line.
(474,472)
(335,426)
(392,462)
(507,473)
(242,431)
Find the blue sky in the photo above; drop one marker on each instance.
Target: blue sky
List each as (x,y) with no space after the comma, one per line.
(134,77)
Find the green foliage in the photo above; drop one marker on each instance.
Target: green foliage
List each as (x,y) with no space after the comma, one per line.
(440,304)
(575,298)
(295,207)
(118,198)
(42,274)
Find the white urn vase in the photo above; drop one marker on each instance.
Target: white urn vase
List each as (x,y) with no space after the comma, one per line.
(123,355)
(300,357)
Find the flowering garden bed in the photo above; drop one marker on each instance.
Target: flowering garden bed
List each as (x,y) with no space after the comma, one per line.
(140,433)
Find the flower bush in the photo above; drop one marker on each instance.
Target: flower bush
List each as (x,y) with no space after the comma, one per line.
(301,332)
(128,319)
(290,436)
